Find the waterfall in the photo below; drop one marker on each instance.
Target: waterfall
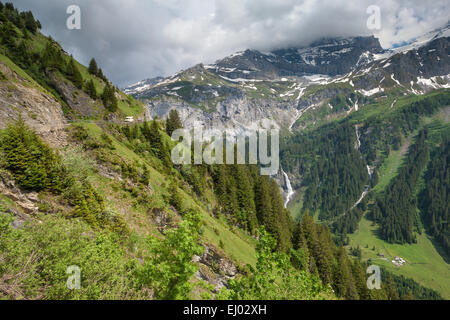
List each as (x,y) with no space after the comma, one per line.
(369,171)
(358,136)
(366,190)
(290,191)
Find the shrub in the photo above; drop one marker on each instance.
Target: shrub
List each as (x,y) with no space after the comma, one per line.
(34,165)
(35,258)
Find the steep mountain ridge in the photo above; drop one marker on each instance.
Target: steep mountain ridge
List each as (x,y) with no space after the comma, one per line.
(252,89)
(328,57)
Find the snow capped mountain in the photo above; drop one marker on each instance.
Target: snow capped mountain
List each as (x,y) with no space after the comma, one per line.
(415,43)
(251,89)
(327,56)
(423,40)
(143,85)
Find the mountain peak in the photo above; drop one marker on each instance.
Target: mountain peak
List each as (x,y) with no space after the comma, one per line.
(328,56)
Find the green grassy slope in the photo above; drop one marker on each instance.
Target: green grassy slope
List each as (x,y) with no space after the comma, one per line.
(424,264)
(237,245)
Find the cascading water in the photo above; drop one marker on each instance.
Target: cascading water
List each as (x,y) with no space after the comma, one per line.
(369,171)
(290,191)
(358,136)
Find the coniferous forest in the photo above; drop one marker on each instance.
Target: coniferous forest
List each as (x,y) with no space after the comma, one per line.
(434,200)
(396,209)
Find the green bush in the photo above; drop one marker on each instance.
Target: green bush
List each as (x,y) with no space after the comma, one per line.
(170,276)
(35,258)
(34,165)
(274,278)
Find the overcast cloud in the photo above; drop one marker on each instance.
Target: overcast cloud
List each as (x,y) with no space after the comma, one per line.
(138,39)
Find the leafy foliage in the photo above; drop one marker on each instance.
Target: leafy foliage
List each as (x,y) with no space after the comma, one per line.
(34,260)
(274,278)
(169,278)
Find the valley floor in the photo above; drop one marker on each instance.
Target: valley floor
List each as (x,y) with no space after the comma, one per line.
(423,262)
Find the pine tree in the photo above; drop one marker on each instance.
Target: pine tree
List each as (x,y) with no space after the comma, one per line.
(231,205)
(409,296)
(93,68)
(218,174)
(109,99)
(308,229)
(101,75)
(74,74)
(145,179)
(344,282)
(280,218)
(264,206)
(30,22)
(176,198)
(154,137)
(360,280)
(90,89)
(34,165)
(173,122)
(300,244)
(52,56)
(8,34)
(390,289)
(245,196)
(23,54)
(323,254)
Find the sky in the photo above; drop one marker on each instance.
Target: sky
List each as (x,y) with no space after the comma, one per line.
(134,40)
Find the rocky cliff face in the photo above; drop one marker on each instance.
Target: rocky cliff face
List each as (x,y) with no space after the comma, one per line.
(235,113)
(20,96)
(79,102)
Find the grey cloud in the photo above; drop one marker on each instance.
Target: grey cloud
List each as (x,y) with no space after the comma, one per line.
(137,39)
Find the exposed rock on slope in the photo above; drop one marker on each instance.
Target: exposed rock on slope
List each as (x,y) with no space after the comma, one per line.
(27,201)
(22,97)
(78,100)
